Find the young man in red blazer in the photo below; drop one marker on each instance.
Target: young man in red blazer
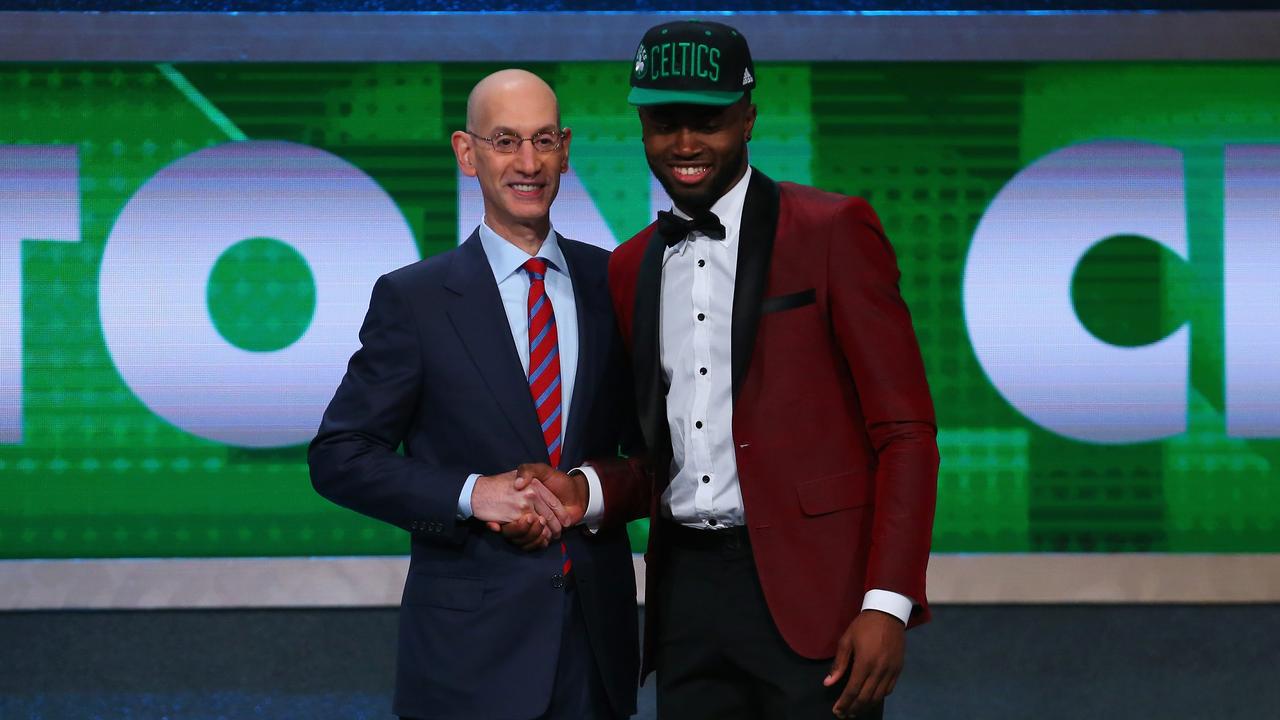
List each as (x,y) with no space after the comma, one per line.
(792,457)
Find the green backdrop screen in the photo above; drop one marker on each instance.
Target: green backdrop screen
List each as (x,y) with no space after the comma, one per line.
(1088,251)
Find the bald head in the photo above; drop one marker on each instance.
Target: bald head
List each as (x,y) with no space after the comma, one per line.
(515,148)
(499,93)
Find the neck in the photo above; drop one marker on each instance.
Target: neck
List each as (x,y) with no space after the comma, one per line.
(694,211)
(528,238)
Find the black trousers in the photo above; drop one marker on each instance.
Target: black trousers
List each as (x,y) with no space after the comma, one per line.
(719,654)
(578,693)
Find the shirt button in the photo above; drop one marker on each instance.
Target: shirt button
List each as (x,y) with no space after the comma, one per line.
(698,424)
(557,581)
(701,317)
(702,263)
(706,478)
(702,371)
(712,522)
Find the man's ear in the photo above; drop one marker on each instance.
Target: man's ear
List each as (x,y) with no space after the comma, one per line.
(564,148)
(464,151)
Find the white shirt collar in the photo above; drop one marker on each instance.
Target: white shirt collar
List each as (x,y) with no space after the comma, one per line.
(506,259)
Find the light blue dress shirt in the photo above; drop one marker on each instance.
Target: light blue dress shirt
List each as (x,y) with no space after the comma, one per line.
(506,261)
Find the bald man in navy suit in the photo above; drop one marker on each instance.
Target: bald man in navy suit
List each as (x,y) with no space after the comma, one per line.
(499,352)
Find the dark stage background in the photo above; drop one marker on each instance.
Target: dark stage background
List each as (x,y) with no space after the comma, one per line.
(995,663)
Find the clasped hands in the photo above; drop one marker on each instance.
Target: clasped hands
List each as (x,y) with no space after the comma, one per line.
(531,505)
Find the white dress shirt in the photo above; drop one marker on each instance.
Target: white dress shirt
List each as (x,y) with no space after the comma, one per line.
(695,346)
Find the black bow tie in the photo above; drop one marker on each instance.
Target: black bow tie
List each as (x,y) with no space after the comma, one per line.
(674,228)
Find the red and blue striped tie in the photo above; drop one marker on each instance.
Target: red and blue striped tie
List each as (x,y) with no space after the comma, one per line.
(544,367)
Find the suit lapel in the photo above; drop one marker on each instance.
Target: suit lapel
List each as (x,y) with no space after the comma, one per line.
(590,352)
(481,322)
(755,247)
(651,391)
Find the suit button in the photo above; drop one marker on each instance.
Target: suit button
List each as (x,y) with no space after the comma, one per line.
(557,581)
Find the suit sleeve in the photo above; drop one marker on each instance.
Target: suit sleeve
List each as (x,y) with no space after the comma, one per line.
(627,484)
(354,460)
(873,328)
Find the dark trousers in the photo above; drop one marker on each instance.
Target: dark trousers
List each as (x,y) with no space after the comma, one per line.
(578,693)
(719,654)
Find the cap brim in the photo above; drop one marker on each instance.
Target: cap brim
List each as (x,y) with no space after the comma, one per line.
(651,96)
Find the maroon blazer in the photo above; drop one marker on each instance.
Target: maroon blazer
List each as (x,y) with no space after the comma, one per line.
(834,426)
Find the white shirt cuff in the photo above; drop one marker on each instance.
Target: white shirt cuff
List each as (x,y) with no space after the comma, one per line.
(464,497)
(595,498)
(890,602)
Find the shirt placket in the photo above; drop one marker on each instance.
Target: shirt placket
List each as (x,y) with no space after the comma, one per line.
(704,495)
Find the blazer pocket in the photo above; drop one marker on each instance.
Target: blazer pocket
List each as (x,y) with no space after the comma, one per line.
(837,492)
(778,303)
(453,593)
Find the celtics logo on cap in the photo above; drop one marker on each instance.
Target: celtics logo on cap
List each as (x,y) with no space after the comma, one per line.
(685,61)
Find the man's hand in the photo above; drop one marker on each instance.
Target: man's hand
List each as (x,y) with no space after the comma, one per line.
(522,508)
(497,499)
(570,490)
(562,496)
(494,498)
(877,643)
(528,532)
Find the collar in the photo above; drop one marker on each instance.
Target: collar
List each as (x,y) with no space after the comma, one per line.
(506,259)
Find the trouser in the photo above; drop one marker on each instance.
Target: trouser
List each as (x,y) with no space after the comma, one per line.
(719,654)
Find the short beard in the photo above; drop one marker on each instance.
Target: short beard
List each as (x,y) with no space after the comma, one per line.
(693,202)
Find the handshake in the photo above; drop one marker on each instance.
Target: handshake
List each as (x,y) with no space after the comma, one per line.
(531,505)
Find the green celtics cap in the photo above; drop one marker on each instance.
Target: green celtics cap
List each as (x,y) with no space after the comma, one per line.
(691,61)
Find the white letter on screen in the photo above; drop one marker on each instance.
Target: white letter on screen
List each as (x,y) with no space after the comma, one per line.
(1251,277)
(156,268)
(39,200)
(1017,293)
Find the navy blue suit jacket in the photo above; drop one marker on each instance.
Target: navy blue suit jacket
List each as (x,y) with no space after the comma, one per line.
(437,372)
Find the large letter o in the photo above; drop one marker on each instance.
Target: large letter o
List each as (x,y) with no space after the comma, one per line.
(1017,293)
(157,263)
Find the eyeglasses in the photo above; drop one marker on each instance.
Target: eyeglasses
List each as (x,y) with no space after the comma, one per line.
(545,141)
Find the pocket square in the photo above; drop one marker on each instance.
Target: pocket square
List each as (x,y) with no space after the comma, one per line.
(778,303)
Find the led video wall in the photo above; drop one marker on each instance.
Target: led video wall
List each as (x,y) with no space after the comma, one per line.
(1090,253)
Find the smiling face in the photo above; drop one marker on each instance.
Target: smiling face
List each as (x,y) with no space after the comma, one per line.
(697,152)
(519,187)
